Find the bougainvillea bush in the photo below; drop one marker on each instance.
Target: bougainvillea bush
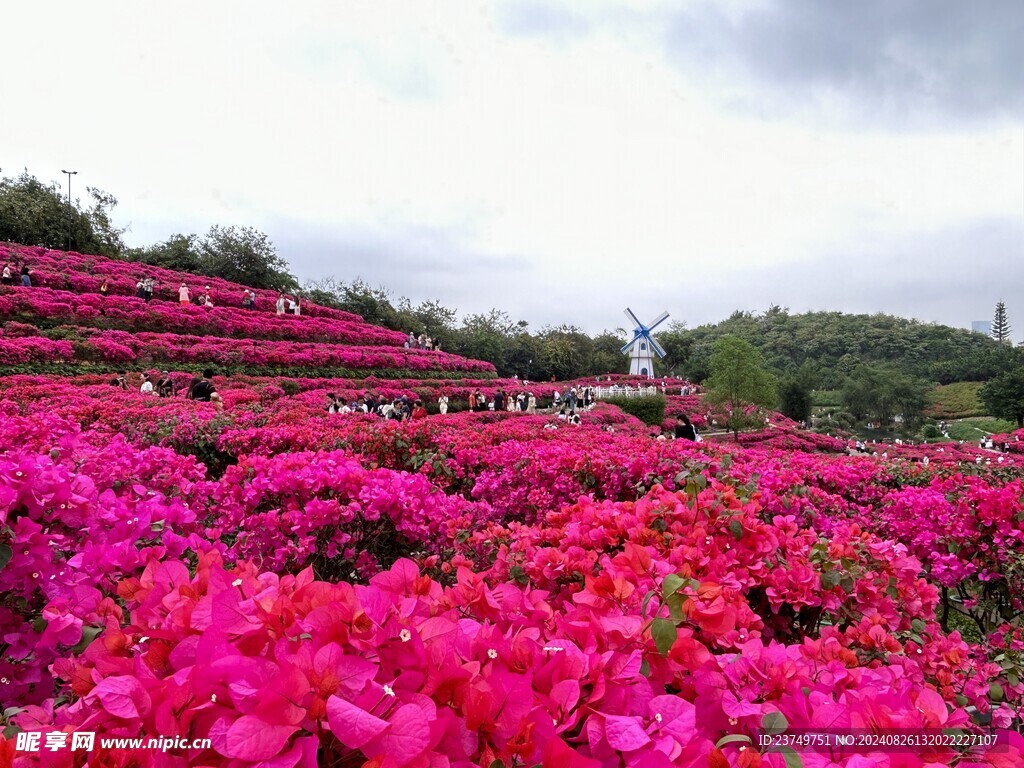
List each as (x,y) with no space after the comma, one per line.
(307,588)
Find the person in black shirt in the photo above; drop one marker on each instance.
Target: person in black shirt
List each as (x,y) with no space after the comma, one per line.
(165,387)
(203,390)
(684,429)
(121,382)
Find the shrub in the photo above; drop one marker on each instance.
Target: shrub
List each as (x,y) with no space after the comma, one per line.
(650,409)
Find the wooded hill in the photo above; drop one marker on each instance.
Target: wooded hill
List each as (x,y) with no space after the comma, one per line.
(833,344)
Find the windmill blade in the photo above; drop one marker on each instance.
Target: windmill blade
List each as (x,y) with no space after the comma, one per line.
(661,319)
(657,348)
(631,316)
(628,346)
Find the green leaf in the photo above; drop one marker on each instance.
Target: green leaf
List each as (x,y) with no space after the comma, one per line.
(830,579)
(918,626)
(497,764)
(995,692)
(736,529)
(774,722)
(646,602)
(517,573)
(675,607)
(664,633)
(1012,678)
(672,584)
(733,738)
(847,584)
(645,668)
(793,760)
(6,553)
(88,635)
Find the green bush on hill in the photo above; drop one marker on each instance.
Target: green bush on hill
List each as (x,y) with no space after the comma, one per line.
(955,401)
(650,409)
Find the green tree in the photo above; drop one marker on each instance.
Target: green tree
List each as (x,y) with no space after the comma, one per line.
(738,380)
(883,392)
(178,252)
(607,358)
(245,255)
(34,213)
(795,393)
(1001,324)
(1004,396)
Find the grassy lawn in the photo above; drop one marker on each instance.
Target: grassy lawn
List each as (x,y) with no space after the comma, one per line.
(826,398)
(955,401)
(974,428)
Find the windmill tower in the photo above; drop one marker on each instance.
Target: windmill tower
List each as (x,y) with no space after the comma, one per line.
(642,348)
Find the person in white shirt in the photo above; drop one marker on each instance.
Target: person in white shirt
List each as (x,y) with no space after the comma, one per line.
(442,404)
(147,385)
(8,278)
(183,294)
(280,304)
(297,307)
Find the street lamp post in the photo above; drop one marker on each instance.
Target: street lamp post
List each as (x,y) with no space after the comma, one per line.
(69,175)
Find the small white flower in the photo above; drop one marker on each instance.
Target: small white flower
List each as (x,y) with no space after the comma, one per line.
(405,635)
(213,698)
(388,690)
(35,575)
(144,638)
(657,717)
(3,680)
(553,648)
(236,583)
(491,653)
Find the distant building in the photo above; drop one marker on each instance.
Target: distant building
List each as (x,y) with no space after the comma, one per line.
(982,326)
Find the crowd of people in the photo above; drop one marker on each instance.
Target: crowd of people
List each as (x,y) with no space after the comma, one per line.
(200,389)
(144,289)
(422,342)
(11,269)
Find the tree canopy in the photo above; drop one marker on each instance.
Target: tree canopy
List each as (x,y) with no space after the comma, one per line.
(836,343)
(34,213)
(1004,395)
(739,380)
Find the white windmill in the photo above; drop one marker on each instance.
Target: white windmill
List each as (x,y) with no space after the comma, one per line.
(642,348)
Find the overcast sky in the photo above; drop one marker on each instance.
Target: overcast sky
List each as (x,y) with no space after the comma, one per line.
(559,161)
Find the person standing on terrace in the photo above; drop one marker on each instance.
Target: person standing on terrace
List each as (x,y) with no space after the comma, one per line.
(26,280)
(8,278)
(120,381)
(280,304)
(147,385)
(104,288)
(442,404)
(418,411)
(183,294)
